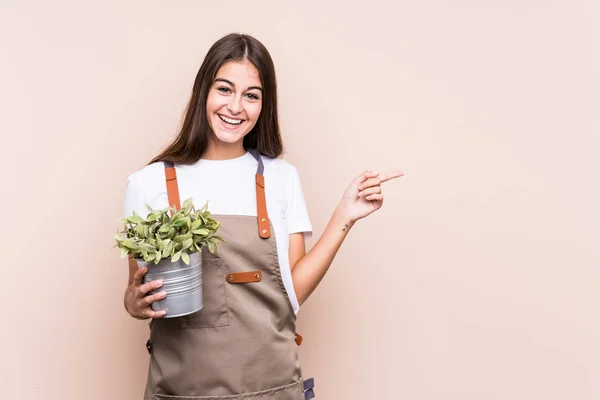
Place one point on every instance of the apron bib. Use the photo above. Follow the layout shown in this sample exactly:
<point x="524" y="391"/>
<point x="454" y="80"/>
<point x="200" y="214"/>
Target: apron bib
<point x="242" y="344"/>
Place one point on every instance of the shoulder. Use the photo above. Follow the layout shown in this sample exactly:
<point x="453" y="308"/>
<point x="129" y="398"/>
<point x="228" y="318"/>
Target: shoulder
<point x="279" y="167"/>
<point x="148" y="176"/>
<point x="284" y="175"/>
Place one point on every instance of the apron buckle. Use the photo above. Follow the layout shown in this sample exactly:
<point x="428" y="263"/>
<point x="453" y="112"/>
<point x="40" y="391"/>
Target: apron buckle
<point x="309" y="392"/>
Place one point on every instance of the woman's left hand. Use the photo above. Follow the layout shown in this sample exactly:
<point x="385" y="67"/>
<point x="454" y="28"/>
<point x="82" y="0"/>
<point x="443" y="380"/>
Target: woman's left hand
<point x="364" y="195"/>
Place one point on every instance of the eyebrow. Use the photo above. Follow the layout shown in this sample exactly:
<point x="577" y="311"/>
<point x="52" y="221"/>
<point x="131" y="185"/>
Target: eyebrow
<point x="231" y="83"/>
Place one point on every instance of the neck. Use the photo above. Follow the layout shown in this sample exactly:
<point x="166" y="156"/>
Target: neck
<point x="224" y="151"/>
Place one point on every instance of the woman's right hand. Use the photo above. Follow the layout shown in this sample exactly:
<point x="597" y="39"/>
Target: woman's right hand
<point x="137" y="301"/>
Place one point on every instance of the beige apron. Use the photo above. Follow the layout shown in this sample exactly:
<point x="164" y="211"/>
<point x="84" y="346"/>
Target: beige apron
<point x="242" y="344"/>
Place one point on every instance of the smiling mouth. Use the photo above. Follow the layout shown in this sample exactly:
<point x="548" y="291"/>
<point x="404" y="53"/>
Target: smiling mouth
<point x="230" y="121"/>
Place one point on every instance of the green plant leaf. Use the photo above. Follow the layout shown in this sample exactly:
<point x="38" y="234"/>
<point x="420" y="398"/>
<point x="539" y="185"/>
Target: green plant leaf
<point x="164" y="217"/>
<point x="124" y="252"/>
<point x="168" y="250"/>
<point x="196" y="224"/>
<point x="211" y="248"/>
<point x="130" y="243"/>
<point x="204" y="208"/>
<point x="179" y="222"/>
<point x="201" y="232"/>
<point x="187" y="244"/>
<point x="218" y="238"/>
<point x="187" y="206"/>
<point x="176" y="256"/>
<point x="135" y="219"/>
<point x="121" y="236"/>
<point x="165" y="228"/>
<point x="139" y="231"/>
<point x="149" y="248"/>
<point x="186" y="258"/>
<point x="154" y="227"/>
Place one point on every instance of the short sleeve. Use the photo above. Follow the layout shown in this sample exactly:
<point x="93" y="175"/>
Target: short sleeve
<point x="134" y="197"/>
<point x="296" y="213"/>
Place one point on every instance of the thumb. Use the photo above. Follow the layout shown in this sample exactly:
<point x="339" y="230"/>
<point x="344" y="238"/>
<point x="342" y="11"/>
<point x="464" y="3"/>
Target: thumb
<point x="139" y="274"/>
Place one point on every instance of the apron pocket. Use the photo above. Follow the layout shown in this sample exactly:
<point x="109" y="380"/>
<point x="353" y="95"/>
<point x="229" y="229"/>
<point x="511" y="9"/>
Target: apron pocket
<point x="214" y="312"/>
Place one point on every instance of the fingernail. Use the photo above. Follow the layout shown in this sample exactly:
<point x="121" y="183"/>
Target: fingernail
<point x="360" y="187"/>
<point x="159" y="283"/>
<point x="162" y="295"/>
<point x="360" y="194"/>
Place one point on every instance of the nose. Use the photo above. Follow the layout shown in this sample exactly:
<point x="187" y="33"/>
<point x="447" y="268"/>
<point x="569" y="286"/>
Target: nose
<point x="235" y="105"/>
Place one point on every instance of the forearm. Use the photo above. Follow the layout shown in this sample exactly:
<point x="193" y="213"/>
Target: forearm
<point x="310" y="269"/>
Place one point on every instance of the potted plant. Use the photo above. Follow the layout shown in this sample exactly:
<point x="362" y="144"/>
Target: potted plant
<point x="171" y="248"/>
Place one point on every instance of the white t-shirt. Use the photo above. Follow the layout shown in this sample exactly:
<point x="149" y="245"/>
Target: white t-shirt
<point x="229" y="187"/>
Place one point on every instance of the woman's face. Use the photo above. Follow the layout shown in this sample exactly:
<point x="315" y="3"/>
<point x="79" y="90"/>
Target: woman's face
<point x="234" y="101"/>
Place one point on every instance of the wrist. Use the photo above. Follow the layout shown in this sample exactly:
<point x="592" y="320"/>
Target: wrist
<point x="342" y="218"/>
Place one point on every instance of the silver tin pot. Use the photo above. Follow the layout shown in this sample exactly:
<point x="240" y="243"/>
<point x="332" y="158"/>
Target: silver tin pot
<point x="181" y="282"/>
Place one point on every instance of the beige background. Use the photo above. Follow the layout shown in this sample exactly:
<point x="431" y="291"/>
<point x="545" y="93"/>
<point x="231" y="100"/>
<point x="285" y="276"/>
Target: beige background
<point x="477" y="280"/>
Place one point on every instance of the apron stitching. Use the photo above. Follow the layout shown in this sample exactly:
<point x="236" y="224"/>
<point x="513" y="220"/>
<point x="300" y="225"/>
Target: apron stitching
<point x="279" y="279"/>
<point x="298" y="383"/>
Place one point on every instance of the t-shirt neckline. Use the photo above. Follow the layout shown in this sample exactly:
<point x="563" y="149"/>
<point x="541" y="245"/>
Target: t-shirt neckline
<point x="240" y="159"/>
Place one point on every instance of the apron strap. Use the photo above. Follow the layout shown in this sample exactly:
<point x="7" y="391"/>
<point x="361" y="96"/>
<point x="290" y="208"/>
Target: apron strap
<point x="172" y="187"/>
<point x="264" y="229"/>
<point x="309" y="392"/>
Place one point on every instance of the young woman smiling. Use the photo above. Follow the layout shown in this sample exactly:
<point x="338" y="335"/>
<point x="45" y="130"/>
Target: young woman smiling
<point x="243" y="343"/>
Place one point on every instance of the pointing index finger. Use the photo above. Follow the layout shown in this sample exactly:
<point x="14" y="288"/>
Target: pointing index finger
<point x="386" y="176"/>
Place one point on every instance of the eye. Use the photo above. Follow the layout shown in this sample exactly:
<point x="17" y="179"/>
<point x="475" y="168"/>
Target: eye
<point x="224" y="89"/>
<point x="252" y="96"/>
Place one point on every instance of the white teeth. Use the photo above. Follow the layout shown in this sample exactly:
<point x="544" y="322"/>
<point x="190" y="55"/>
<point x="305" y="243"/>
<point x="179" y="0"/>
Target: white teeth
<point x="231" y="121"/>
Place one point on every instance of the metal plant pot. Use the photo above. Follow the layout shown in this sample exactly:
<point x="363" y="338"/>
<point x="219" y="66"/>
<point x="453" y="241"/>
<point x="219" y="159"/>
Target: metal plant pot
<point x="182" y="282"/>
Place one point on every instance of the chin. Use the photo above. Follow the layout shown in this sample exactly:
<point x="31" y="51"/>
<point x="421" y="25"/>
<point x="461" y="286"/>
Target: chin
<point x="229" y="139"/>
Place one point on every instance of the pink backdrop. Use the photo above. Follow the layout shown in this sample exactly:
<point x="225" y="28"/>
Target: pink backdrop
<point x="477" y="280"/>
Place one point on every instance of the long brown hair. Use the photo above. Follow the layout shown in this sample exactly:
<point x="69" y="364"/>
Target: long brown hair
<point x="192" y="140"/>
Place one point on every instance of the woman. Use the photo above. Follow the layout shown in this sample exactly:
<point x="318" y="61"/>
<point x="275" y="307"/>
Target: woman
<point x="243" y="343"/>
